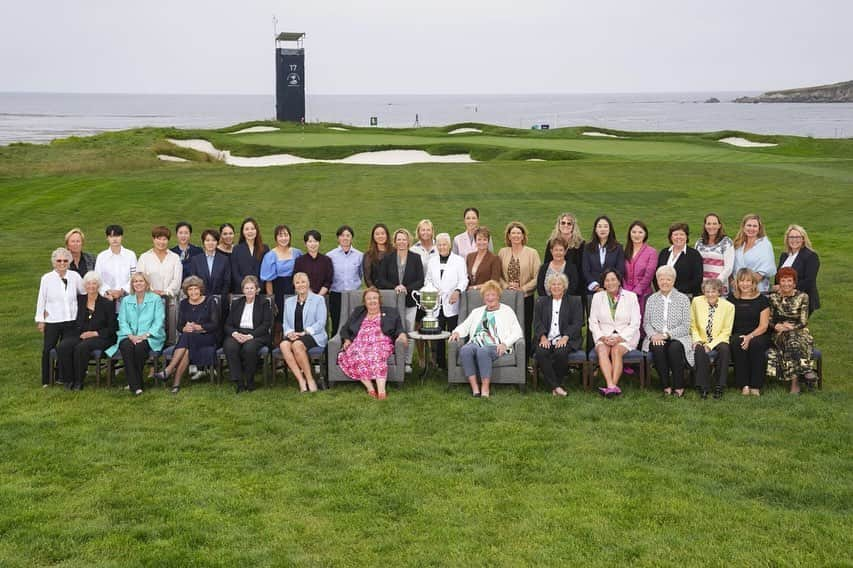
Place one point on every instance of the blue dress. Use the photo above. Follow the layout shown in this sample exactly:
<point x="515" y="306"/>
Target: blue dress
<point x="201" y="346"/>
<point x="280" y="273"/>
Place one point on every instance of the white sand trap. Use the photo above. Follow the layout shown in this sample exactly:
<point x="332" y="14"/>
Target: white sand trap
<point x="534" y="160"/>
<point x="601" y="135"/>
<point x="381" y="158"/>
<point x="254" y="129"/>
<point x="744" y="143"/>
<point x="168" y="158"/>
<point x="339" y="129"/>
<point x="466" y="131"/>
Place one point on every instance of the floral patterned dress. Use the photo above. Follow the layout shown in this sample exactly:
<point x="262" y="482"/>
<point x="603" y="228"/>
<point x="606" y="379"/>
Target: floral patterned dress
<point x="367" y="356"/>
<point x="790" y="353"/>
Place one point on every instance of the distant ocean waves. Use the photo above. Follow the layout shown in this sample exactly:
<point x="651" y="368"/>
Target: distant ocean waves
<point x="41" y="117"/>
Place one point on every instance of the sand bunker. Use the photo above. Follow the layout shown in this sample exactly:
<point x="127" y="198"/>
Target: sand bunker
<point x="381" y="158"/>
<point x="534" y="160"/>
<point x="601" y="135"/>
<point x="744" y="143"/>
<point x="167" y="158"/>
<point x="339" y="129"/>
<point x="466" y="131"/>
<point x="253" y="129"/>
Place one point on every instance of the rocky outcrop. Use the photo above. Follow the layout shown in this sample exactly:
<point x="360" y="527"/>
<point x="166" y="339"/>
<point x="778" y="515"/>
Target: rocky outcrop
<point x="835" y="93"/>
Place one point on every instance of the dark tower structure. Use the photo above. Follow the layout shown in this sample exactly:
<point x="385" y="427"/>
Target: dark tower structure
<point x="290" y="77"/>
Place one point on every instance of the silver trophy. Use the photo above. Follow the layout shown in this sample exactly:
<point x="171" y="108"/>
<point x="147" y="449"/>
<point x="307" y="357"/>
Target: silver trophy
<point x="427" y="299"/>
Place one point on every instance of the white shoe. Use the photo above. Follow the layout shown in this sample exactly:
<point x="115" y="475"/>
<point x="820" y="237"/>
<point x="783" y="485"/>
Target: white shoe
<point x="408" y="369"/>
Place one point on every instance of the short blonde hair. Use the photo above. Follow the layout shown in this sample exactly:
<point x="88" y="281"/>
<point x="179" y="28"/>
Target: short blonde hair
<point x="302" y="275"/>
<point x="421" y="224"/>
<point x="490" y="286"/>
<point x="72" y="232"/>
<point x="746" y="274"/>
<point x="404" y="232"/>
<point x="806" y="241"/>
<point x="144" y="279"/>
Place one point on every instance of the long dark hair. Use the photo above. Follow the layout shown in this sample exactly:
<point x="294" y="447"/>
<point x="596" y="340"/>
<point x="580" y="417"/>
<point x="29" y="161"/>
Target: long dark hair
<point x="611" y="244"/>
<point x="721" y="234"/>
<point x="258" y="253"/>
<point x="372" y="253"/>
<point x="629" y="243"/>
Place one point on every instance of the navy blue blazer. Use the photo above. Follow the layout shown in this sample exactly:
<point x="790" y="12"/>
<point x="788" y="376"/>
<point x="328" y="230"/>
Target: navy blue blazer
<point x="592" y="267"/>
<point x="217" y="281"/>
<point x="243" y="264"/>
<point x="806" y="264"/>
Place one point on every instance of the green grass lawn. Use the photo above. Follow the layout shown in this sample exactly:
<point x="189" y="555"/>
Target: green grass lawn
<point x="429" y="477"/>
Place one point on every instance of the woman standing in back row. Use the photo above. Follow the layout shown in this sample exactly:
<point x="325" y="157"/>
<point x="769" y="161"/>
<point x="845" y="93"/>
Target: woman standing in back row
<point x="520" y="267"/>
<point x="567" y="229"/>
<point x="717" y="251"/>
<point x="753" y="250"/>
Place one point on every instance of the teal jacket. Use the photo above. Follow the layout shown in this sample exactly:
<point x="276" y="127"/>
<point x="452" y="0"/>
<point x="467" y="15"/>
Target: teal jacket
<point x="135" y="319"/>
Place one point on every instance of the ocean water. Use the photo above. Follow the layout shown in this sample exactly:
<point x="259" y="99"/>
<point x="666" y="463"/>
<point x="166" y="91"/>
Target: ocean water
<point x="41" y="117"/>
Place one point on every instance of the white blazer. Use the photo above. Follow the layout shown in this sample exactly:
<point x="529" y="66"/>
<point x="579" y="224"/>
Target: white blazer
<point x="455" y="277"/>
<point x="57" y="302"/>
<point x="627" y="320"/>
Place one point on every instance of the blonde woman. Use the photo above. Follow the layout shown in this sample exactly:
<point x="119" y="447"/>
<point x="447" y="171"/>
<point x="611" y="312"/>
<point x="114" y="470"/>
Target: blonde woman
<point x="754" y="250"/>
<point x="800" y="255"/>
<point x="749" y="340"/>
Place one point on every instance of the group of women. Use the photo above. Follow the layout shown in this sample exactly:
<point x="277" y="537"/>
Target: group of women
<point x="691" y="306"/>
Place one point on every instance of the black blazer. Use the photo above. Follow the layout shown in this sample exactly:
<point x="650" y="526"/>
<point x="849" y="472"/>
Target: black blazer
<point x="571" y="272"/>
<point x="103" y="321"/>
<point x="806" y="264"/>
<point x="392" y="325"/>
<point x="592" y="267"/>
<point x="243" y="264"/>
<point x="217" y="281"/>
<point x="571" y="320"/>
<point x="261" y="319"/>
<point x="573" y="255"/>
<point x="192" y="251"/>
<point x="386" y="276"/>
<point x="688" y="270"/>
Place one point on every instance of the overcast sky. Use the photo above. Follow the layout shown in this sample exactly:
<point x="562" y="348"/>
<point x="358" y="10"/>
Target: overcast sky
<point x="436" y="46"/>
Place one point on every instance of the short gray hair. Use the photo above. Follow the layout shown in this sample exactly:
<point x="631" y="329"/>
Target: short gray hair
<point x="60" y="252"/>
<point x="665" y="270"/>
<point x="559" y="277"/>
<point x="191" y="281"/>
<point x="92" y="276"/>
<point x="443" y="236"/>
<point x="712" y="284"/>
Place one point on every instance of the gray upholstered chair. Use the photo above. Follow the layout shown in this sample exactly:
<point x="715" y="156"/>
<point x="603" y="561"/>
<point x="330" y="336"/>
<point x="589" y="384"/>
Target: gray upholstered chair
<point x="396" y="361"/>
<point x="507" y="370"/>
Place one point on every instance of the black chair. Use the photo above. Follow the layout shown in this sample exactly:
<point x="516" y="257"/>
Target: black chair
<point x="170" y="306"/>
<point x="168" y="352"/>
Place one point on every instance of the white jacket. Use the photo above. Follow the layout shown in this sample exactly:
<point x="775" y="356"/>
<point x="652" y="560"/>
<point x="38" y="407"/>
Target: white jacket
<point x="455" y="277"/>
<point x="626" y="323"/>
<point x="509" y="331"/>
<point x="57" y="302"/>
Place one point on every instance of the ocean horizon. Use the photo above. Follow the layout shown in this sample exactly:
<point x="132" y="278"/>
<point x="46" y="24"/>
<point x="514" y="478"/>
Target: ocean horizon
<point x="39" y="117"/>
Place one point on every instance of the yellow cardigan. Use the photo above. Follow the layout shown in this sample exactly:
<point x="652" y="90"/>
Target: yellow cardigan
<point x="724" y="318"/>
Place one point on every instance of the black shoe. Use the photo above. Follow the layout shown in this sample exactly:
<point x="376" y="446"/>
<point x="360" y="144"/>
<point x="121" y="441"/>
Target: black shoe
<point x="77" y="387"/>
<point x="249" y="388"/>
<point x="718" y="393"/>
<point x="68" y="386"/>
<point x="240" y="388"/>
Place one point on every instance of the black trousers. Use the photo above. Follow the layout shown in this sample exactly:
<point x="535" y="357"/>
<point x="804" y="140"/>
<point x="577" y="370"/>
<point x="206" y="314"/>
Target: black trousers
<point x="242" y="360"/>
<point x="134" y="357"/>
<point x="335" y="311"/>
<point x="440" y="347"/>
<point x="750" y="365"/>
<point x="554" y="363"/>
<point x="74" y="354"/>
<point x="528" y="327"/>
<point x="53" y="334"/>
<point x="703" y="365"/>
<point x="669" y="361"/>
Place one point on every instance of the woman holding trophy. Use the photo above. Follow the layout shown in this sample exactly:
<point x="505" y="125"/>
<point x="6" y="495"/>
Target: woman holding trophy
<point x="448" y="274"/>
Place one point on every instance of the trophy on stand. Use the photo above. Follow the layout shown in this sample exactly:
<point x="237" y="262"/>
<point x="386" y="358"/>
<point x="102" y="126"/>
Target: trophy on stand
<point x="427" y="299"/>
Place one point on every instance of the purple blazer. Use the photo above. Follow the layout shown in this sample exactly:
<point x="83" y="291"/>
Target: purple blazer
<point x="640" y="272"/>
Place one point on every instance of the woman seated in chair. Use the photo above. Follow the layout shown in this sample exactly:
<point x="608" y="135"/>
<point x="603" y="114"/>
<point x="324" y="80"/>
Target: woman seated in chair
<point x="790" y="355"/>
<point x="96" y="330"/>
<point x="141" y="329"/>
<point x="198" y="323"/>
<point x="667" y="326"/>
<point x="557" y="322"/>
<point x="492" y="331"/>
<point x="614" y="321"/>
<point x="369" y="336"/>
<point x="304" y="328"/>
<point x="247" y="330"/>
<point x="711" y="320"/>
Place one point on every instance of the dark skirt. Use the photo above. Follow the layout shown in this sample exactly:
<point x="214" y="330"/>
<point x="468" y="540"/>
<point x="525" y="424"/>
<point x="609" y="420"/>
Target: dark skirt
<point x="282" y="286"/>
<point x="306" y="339"/>
<point x="201" y="346"/>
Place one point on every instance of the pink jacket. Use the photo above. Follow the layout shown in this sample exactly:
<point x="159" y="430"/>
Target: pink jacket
<point x="640" y="272"/>
<point x="626" y="323"/>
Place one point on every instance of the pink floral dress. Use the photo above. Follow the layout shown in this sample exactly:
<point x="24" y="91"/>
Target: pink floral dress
<point x="367" y="356"/>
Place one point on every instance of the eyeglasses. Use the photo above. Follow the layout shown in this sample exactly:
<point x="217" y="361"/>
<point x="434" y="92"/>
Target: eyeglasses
<point x="566" y="223"/>
<point x="794" y="238"/>
<point x="61" y="260"/>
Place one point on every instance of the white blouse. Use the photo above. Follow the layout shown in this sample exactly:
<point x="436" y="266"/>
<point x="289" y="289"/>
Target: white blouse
<point x="57" y="302"/>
